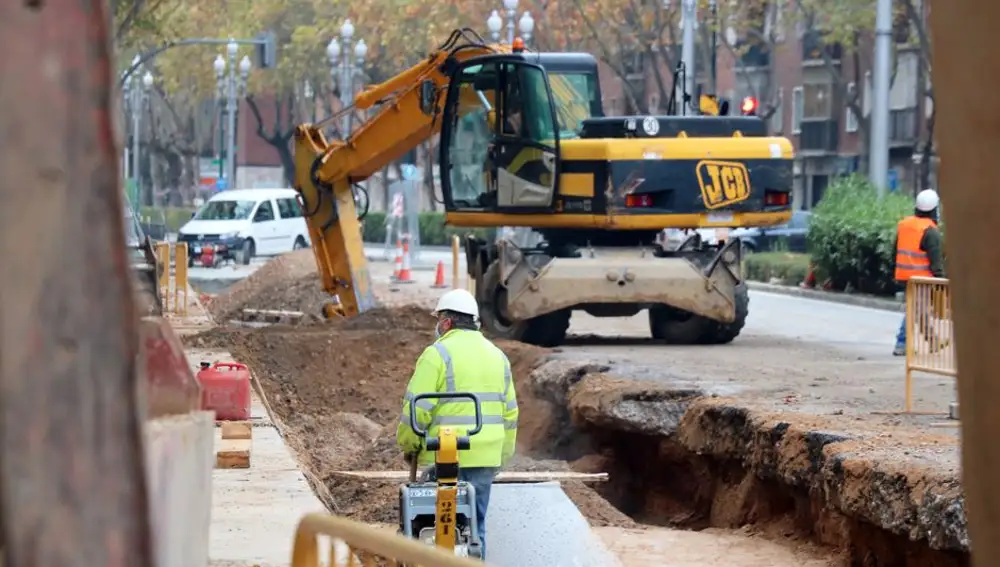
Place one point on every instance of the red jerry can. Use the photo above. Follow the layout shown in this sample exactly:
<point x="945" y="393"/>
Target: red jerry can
<point x="225" y="389"/>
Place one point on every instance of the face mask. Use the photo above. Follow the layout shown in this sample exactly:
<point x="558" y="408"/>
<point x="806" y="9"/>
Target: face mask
<point x="437" y="330"/>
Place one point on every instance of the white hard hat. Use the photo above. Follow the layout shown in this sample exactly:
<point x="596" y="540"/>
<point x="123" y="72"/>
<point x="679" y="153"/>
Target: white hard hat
<point x="458" y="301"/>
<point x="927" y="200"/>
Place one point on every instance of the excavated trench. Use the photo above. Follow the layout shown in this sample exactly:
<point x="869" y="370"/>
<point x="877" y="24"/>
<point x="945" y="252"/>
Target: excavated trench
<point x="681" y="459"/>
<point x="676" y="457"/>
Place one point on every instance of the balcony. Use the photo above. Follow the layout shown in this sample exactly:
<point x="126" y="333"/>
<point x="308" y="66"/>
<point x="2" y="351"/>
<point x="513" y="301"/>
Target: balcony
<point x="813" y="48"/>
<point x="819" y="135"/>
<point x="903" y="126"/>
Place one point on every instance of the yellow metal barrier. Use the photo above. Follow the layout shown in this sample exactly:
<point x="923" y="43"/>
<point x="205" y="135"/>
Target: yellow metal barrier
<point x="175" y="296"/>
<point x="929" y="333"/>
<point x="181" y="278"/>
<point x="163" y="256"/>
<point x="354" y="544"/>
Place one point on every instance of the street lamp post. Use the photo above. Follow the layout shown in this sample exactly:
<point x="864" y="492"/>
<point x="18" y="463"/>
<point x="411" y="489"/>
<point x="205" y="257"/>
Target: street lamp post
<point x="344" y="71"/>
<point x="526" y="24"/>
<point x="231" y="87"/>
<point x="136" y="95"/>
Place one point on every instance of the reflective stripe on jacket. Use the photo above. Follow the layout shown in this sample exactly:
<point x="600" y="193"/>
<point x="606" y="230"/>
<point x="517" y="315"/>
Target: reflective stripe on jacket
<point x="910" y="259"/>
<point x="463" y="361"/>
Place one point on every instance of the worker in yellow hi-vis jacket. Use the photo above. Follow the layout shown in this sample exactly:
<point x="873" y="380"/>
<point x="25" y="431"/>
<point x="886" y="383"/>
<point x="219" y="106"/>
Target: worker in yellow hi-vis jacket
<point x="463" y="360"/>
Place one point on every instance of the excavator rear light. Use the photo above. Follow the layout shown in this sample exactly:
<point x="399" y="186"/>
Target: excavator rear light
<point x="637" y="201"/>
<point x="776" y="199"/>
<point x="749" y="106"/>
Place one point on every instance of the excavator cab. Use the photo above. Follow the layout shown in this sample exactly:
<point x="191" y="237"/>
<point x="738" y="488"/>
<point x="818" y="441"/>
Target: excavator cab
<point x="500" y="138"/>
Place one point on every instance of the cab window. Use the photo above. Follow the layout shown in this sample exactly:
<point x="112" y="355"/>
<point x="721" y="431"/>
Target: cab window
<point x="472" y="133"/>
<point x="527" y="95"/>
<point x="575" y="95"/>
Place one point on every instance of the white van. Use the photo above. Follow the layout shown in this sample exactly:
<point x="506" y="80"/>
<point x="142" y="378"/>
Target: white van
<point x="244" y="223"/>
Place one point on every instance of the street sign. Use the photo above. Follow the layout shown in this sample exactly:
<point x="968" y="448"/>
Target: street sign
<point x="409" y="171"/>
<point x="221" y="184"/>
<point x="893" y="180"/>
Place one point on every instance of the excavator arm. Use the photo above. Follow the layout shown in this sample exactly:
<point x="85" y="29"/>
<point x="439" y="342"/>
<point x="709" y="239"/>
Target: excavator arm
<point x="327" y="170"/>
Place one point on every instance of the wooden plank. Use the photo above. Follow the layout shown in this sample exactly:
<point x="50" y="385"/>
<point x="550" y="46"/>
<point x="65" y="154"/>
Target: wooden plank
<point x="233" y="454"/>
<point x="503" y="477"/>
<point x="255" y="421"/>
<point x="237" y="430"/>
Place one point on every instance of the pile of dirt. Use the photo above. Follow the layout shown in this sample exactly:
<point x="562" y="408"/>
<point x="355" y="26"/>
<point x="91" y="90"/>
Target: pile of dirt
<point x="335" y="390"/>
<point x="288" y="282"/>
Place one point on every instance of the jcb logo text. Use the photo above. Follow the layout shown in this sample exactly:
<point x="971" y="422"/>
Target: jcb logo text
<point x="723" y="182"/>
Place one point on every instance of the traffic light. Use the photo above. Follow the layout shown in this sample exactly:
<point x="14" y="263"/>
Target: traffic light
<point x="266" y="50"/>
<point x="749" y="106"/>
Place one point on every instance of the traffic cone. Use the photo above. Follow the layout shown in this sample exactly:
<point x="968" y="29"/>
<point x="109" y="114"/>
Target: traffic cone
<point x="439" y="277"/>
<point x="397" y="261"/>
<point x="405" y="274"/>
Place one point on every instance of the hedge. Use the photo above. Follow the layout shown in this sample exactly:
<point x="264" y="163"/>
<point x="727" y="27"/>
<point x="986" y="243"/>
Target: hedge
<point x="433" y="231"/>
<point x="173" y="217"/>
<point x="852" y="236"/>
<point x="788" y="268"/>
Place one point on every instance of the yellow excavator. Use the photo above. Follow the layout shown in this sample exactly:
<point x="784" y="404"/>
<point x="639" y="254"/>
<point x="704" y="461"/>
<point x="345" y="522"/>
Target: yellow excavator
<point x="524" y="143"/>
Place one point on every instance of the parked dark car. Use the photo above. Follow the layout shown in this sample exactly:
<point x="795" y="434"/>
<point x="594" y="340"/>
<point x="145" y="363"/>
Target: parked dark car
<point x="789" y="237"/>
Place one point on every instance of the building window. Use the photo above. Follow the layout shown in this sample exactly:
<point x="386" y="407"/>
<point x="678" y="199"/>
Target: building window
<point x="797" y="104"/>
<point x="778" y="116"/>
<point x="850" y="118"/>
<point x="817" y="102"/>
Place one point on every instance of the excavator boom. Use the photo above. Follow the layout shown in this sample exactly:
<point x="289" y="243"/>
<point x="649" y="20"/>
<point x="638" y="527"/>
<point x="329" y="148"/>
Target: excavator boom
<point x="326" y="171"/>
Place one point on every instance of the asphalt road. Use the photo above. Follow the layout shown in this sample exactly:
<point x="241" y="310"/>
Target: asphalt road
<point x="860" y="331"/>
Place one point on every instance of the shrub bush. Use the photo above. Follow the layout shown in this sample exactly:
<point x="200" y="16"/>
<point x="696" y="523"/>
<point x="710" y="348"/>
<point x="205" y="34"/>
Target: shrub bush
<point x="852" y="235"/>
<point x="787" y="267"/>
<point x="172" y="217"/>
<point x="433" y="231"/>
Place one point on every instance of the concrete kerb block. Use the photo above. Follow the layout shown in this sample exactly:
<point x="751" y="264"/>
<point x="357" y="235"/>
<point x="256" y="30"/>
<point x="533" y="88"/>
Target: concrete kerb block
<point x="831" y="296"/>
<point x="180" y="458"/>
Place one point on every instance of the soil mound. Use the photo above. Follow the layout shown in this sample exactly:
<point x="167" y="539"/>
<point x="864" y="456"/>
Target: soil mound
<point x="288" y="282"/>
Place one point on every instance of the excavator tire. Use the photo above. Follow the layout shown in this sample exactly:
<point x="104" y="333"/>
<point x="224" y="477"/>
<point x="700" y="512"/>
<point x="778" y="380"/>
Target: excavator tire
<point x="677" y="327"/>
<point x="547" y="330"/>
<point x="725" y="333"/>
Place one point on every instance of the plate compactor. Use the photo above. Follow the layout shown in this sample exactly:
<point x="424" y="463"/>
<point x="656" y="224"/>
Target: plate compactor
<point x="442" y="512"/>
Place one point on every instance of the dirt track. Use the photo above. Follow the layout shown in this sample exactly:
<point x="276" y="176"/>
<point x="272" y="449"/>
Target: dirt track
<point x="336" y="388"/>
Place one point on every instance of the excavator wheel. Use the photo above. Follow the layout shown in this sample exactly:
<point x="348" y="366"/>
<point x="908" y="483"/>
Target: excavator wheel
<point x="677" y="327"/>
<point x="724" y="333"/>
<point x="546" y="330"/>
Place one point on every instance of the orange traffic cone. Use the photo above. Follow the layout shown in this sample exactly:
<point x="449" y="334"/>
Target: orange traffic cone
<point x="398" y="260"/>
<point x="439" y="277"/>
<point x="405" y="272"/>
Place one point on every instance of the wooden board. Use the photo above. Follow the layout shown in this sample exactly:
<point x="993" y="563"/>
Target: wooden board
<point x="237" y="430"/>
<point x="233" y="454"/>
<point x="504" y="477"/>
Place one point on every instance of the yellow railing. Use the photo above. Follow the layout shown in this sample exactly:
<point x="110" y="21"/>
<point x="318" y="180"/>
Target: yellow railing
<point x="930" y="343"/>
<point x="173" y="290"/>
<point x="354" y="544"/>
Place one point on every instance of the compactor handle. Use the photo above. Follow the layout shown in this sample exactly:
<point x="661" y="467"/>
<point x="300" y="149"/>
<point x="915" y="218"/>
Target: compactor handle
<point x="421" y="432"/>
<point x="230" y="365"/>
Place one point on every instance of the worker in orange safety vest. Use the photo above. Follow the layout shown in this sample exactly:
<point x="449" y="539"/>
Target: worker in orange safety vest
<point x="918" y="251"/>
